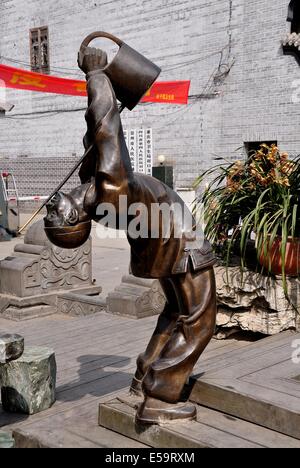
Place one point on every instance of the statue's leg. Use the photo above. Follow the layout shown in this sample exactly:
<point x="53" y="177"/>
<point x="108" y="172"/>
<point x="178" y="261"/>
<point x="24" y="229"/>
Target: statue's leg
<point x="164" y="329"/>
<point x="166" y="377"/>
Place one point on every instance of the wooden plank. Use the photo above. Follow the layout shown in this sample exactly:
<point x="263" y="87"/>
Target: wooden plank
<point x="76" y="436"/>
<point x="279" y="377"/>
<point x="96" y="357"/>
<point x="237" y="399"/>
<point x="239" y="358"/>
<point x="45" y="328"/>
<point x="249" y="431"/>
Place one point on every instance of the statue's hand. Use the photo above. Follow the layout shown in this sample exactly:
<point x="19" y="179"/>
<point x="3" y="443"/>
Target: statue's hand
<point x="93" y="59"/>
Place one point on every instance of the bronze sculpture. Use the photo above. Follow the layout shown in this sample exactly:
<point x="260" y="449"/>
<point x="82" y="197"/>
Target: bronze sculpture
<point x="184" y="268"/>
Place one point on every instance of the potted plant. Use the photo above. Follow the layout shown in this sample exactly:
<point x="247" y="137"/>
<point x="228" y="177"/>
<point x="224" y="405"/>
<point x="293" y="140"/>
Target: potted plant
<point x="258" y="198"/>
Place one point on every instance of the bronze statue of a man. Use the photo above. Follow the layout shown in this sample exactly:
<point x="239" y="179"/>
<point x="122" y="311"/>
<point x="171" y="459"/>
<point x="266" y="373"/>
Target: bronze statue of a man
<point x="183" y="267"/>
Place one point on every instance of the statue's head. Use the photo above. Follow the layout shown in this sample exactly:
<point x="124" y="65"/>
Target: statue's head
<point x="67" y="225"/>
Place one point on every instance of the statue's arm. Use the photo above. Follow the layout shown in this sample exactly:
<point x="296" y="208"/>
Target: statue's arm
<point x="97" y="110"/>
<point x="108" y="166"/>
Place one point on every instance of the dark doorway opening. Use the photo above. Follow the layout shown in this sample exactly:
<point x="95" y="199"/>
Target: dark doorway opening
<point x="294" y="16"/>
<point x="252" y="146"/>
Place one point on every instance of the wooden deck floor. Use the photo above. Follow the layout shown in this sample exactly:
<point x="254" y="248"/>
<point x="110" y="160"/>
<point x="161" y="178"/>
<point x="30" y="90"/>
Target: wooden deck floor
<point x="96" y="359"/>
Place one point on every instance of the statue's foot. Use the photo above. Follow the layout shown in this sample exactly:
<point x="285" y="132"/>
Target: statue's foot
<point x="153" y="411"/>
<point x="136" y="387"/>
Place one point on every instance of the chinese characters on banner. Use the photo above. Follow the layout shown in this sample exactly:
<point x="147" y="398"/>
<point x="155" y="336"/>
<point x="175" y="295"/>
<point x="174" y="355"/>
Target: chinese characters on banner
<point x="140" y="147"/>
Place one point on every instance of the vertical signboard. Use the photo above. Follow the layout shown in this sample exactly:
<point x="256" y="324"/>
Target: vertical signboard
<point x="149" y="152"/>
<point x="141" y="151"/>
<point x="140" y="147"/>
<point x="132" y="149"/>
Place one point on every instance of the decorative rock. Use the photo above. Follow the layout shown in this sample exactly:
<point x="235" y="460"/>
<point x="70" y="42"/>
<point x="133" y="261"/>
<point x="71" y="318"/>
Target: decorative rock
<point x="11" y="347"/>
<point x="255" y="302"/>
<point x="6" y="440"/>
<point x="28" y="384"/>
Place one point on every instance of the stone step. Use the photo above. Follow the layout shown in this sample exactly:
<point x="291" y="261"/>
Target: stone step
<point x="212" y="429"/>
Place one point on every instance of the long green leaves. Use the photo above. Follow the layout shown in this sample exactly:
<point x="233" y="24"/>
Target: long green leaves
<point x="257" y="198"/>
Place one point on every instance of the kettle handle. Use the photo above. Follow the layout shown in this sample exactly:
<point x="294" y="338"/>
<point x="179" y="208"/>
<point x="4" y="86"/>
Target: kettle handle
<point x="93" y="36"/>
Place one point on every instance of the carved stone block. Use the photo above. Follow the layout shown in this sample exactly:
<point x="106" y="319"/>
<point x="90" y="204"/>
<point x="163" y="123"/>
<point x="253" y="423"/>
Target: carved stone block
<point x="136" y="298"/>
<point x="35" y="276"/>
<point x="80" y="305"/>
<point x="28" y="384"/>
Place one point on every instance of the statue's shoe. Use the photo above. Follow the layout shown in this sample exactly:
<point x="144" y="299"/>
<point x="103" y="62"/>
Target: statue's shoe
<point x="136" y="387"/>
<point x="153" y="411"/>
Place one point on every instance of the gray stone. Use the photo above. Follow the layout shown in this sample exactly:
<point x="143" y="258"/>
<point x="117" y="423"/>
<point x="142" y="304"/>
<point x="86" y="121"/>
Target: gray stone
<point x="11" y="347"/>
<point x="38" y="273"/>
<point x="28" y="384"/>
<point x="136" y="298"/>
<point x="6" y="440"/>
<point x="255" y="302"/>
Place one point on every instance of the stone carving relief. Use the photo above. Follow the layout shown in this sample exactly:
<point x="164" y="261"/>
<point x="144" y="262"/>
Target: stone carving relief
<point x="65" y="268"/>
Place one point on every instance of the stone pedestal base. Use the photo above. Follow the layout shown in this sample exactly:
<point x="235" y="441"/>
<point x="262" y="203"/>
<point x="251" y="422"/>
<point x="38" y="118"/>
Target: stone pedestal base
<point x="6" y="440"/>
<point x="38" y="277"/>
<point x="27" y="308"/>
<point x="136" y="298"/>
<point x="28" y="384"/>
<point x="255" y="302"/>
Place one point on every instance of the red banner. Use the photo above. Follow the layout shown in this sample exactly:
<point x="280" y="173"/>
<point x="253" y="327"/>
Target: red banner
<point x="171" y="92"/>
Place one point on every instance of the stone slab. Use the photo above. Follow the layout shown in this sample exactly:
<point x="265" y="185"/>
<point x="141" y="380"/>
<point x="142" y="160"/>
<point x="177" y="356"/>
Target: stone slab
<point x="11" y="347"/>
<point x="212" y="429"/>
<point x="28" y="384"/>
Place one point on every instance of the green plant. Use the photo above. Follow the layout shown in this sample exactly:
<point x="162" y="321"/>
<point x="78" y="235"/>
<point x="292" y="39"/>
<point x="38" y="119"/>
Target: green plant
<point x="260" y="196"/>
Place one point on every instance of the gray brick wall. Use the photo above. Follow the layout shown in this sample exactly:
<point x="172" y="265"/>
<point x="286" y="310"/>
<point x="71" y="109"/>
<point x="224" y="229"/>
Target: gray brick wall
<point x="252" y="102"/>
